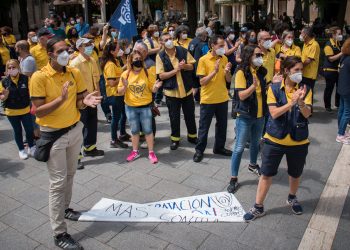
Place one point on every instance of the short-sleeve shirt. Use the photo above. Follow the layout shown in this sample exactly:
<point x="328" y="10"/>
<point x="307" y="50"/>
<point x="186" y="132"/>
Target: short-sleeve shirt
<point x="28" y="65"/>
<point x="47" y="84"/>
<point x="271" y="101"/>
<point x="269" y="64"/>
<point x="180" y="92"/>
<point x="215" y="91"/>
<point x="241" y="84"/>
<point x="10" y="39"/>
<point x="183" y="44"/>
<point x="294" y="50"/>
<point x="311" y="50"/>
<point x="328" y="51"/>
<point x="5" y="54"/>
<point x="155" y="43"/>
<point x="112" y="71"/>
<point x="40" y="55"/>
<point x="139" y="90"/>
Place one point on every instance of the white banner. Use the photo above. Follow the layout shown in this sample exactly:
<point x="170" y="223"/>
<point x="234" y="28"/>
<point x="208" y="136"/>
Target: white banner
<point x="215" y="207"/>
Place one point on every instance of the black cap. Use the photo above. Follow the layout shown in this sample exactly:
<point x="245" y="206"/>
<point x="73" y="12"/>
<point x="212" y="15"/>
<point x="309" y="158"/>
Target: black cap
<point x="44" y="32"/>
<point x="244" y="29"/>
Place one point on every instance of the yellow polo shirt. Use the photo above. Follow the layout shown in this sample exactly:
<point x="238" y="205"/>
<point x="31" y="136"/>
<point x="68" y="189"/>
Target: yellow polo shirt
<point x="183" y="44"/>
<point x="139" y="90"/>
<point x="215" y="91"/>
<point x="5" y="54"/>
<point x="89" y="71"/>
<point x="328" y="51"/>
<point x="14" y="112"/>
<point x="180" y="92"/>
<point x="97" y="41"/>
<point x="311" y="50"/>
<point x="155" y="43"/>
<point x="32" y="45"/>
<point x="241" y="84"/>
<point x="10" y="39"/>
<point x="271" y="101"/>
<point x="112" y="71"/>
<point x="40" y="55"/>
<point x="47" y="84"/>
<point x="292" y="51"/>
<point x="269" y="64"/>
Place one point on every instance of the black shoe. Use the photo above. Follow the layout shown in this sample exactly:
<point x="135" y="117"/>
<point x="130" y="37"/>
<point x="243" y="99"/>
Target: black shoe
<point x="80" y="165"/>
<point x="118" y="144"/>
<point x="70" y="214"/>
<point x="223" y="151"/>
<point x="254" y="169"/>
<point x="329" y="110"/>
<point x="234" y="115"/>
<point x="109" y="118"/>
<point x="233" y="186"/>
<point x="192" y="140"/>
<point x="174" y="145"/>
<point x="125" y="137"/>
<point x="94" y="152"/>
<point x="65" y="241"/>
<point x="198" y="156"/>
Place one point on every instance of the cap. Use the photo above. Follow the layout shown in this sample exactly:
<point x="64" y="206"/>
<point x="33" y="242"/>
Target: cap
<point x="244" y="29"/>
<point x="229" y="31"/>
<point x="82" y="41"/>
<point x="44" y="32"/>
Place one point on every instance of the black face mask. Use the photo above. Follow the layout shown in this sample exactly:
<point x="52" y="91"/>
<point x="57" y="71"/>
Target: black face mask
<point x="252" y="40"/>
<point x="137" y="64"/>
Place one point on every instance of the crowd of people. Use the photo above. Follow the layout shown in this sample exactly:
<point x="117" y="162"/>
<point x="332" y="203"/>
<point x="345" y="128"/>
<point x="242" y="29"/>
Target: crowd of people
<point x="53" y="82"/>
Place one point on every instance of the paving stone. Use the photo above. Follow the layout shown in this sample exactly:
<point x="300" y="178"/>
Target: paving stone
<point x="172" y="189"/>
<point x="169" y="173"/>
<point x="144" y="181"/>
<point x="84" y="176"/>
<point x="24" y="219"/>
<point x="110" y="170"/>
<point x="224" y="230"/>
<point x="11" y="239"/>
<point x="13" y="186"/>
<point x="173" y="247"/>
<point x="291" y="226"/>
<point x="137" y="195"/>
<point x="180" y="234"/>
<point x="217" y="242"/>
<point x="22" y="172"/>
<point x="80" y="192"/>
<point x="34" y="197"/>
<point x="7" y="204"/>
<point x="204" y="183"/>
<point x="106" y="185"/>
<point x="41" y="247"/>
<point x="135" y="240"/>
<point x="92" y="199"/>
<point x="143" y="227"/>
<point x="40" y="180"/>
<point x="202" y="168"/>
<point x="3" y="226"/>
<point x="342" y="240"/>
<point x="92" y="244"/>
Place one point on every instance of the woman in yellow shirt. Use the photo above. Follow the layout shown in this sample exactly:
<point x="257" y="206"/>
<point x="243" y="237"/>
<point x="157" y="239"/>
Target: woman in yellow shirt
<point x="286" y="134"/>
<point x="181" y="38"/>
<point x="72" y="37"/>
<point x="138" y="84"/>
<point x="14" y="94"/>
<point x="4" y="57"/>
<point x="251" y="108"/>
<point x="288" y="48"/>
<point x="112" y="72"/>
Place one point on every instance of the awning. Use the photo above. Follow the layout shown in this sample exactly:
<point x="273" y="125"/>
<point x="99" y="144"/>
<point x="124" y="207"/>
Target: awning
<point x="67" y="2"/>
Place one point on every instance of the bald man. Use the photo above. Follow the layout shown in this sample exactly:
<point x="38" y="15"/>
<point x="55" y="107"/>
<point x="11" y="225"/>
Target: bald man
<point x="27" y="62"/>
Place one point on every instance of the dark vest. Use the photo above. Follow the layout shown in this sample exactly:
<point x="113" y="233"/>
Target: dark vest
<point x="292" y="122"/>
<point x="171" y="83"/>
<point x="344" y="76"/>
<point x="153" y="57"/>
<point x="328" y="64"/>
<point x="231" y="58"/>
<point x="19" y="94"/>
<point x="249" y="107"/>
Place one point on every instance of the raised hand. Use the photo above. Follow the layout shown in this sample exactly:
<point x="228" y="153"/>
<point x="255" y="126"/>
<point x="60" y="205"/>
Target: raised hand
<point x="92" y="99"/>
<point x="255" y="82"/>
<point x="158" y="83"/>
<point x="5" y="93"/>
<point x="228" y="67"/>
<point x="277" y="78"/>
<point x="217" y="65"/>
<point x="64" y="94"/>
<point x="182" y="65"/>
<point x="125" y="82"/>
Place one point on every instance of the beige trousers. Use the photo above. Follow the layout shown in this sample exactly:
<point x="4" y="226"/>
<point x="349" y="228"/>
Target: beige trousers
<point x="62" y="166"/>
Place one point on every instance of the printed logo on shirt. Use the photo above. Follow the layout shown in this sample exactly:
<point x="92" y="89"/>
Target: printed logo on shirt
<point x="137" y="89"/>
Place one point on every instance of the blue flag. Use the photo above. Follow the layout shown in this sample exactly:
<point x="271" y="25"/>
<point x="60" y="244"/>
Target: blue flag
<point x="124" y="21"/>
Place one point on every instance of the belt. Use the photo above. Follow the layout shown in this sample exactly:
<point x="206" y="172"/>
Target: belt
<point x="330" y="70"/>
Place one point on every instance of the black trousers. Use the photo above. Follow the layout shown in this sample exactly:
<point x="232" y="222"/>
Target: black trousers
<point x="174" y="106"/>
<point x="89" y="119"/>
<point x="331" y="82"/>
<point x="207" y="111"/>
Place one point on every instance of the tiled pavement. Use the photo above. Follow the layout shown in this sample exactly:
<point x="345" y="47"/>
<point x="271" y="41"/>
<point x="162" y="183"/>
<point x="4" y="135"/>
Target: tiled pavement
<point x="24" y="222"/>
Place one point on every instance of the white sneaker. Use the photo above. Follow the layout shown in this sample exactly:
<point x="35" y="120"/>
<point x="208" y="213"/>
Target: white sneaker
<point x="31" y="151"/>
<point x="343" y="139"/>
<point x="23" y="155"/>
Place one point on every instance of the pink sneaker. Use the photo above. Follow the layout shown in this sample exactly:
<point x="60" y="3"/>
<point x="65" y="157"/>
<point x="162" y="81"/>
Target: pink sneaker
<point x="343" y="139"/>
<point x="152" y="157"/>
<point x="347" y="134"/>
<point x="133" y="156"/>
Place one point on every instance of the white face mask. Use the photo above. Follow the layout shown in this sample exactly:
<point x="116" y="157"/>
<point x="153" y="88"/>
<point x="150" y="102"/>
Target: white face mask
<point x="34" y="39"/>
<point x="63" y="58"/>
<point x="120" y="53"/>
<point x="184" y="36"/>
<point x="288" y="42"/>
<point x="169" y="44"/>
<point x="258" y="61"/>
<point x="72" y="22"/>
<point x="13" y="72"/>
<point x="220" y="51"/>
<point x="339" y="38"/>
<point x="231" y="37"/>
<point x="210" y="32"/>
<point x="267" y="44"/>
<point x="88" y="50"/>
<point x="127" y="51"/>
<point x="172" y="33"/>
<point x="296" y="77"/>
<point x="156" y="34"/>
<point x="301" y="38"/>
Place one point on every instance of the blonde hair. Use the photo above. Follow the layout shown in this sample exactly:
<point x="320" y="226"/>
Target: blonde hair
<point x="332" y="31"/>
<point x="13" y="61"/>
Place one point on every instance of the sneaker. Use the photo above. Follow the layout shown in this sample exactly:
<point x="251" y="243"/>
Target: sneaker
<point x="31" y="151"/>
<point x="233" y="186"/>
<point x="347" y="134"/>
<point x="329" y="110"/>
<point x="125" y="137"/>
<point x="343" y="139"/>
<point x="23" y="155"/>
<point x="152" y="157"/>
<point x="295" y="205"/>
<point x="118" y="144"/>
<point x="80" y="165"/>
<point x="93" y="153"/>
<point x="109" y="118"/>
<point x="254" y="169"/>
<point x="254" y="212"/>
<point x="70" y="214"/>
<point x="133" y="155"/>
<point x="65" y="241"/>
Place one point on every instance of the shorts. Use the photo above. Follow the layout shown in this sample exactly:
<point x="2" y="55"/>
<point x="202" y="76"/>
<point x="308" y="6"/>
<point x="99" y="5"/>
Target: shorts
<point x="273" y="153"/>
<point x="139" y="116"/>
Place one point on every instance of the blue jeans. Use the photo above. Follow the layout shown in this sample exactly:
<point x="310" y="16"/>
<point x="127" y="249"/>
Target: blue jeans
<point x="139" y="117"/>
<point x="246" y="128"/>
<point x="117" y="105"/>
<point x="343" y="114"/>
<point x="17" y="122"/>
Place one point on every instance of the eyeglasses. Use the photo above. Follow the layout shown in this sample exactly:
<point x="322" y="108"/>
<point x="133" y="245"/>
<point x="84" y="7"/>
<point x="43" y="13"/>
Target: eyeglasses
<point x="259" y="55"/>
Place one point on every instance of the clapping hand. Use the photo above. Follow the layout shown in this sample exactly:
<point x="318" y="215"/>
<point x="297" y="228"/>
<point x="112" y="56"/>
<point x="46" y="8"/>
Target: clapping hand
<point x="5" y="93"/>
<point x="125" y="82"/>
<point x="158" y="84"/>
<point x="181" y="65"/>
<point x="228" y="67"/>
<point x="92" y="99"/>
<point x="217" y="65"/>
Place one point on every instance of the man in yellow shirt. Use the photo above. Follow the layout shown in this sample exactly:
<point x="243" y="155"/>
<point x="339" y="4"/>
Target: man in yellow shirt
<point x="32" y="39"/>
<point x="91" y="76"/>
<point x="39" y="51"/>
<point x="310" y="57"/>
<point x="58" y="92"/>
<point x="214" y="71"/>
<point x="265" y="43"/>
<point x="174" y="66"/>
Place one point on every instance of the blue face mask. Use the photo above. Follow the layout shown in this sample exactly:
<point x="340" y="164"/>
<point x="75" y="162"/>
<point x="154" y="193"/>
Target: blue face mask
<point x="88" y="50"/>
<point x="114" y="34"/>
